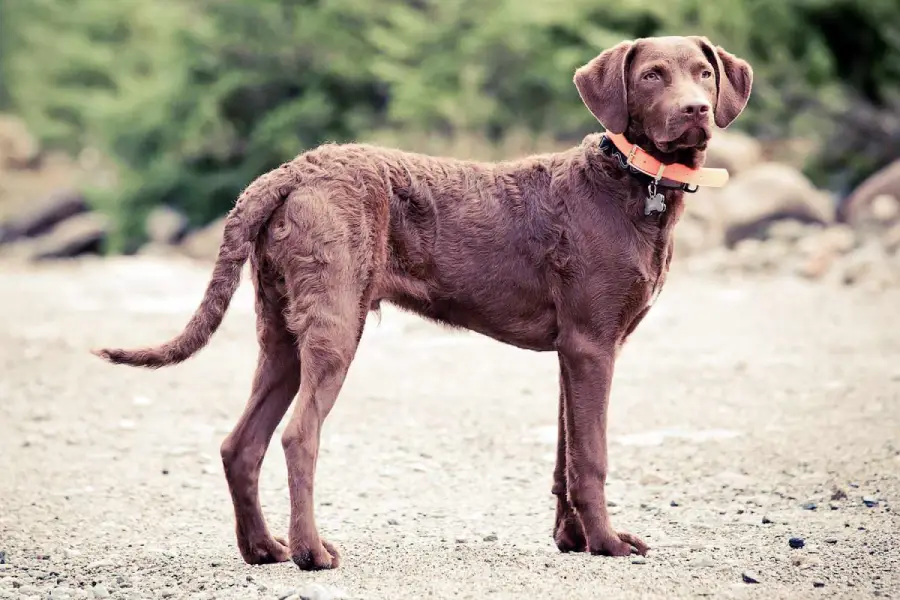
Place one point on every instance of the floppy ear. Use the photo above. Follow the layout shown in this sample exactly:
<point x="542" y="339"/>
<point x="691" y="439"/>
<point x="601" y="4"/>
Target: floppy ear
<point x="603" y="89"/>
<point x="734" y="78"/>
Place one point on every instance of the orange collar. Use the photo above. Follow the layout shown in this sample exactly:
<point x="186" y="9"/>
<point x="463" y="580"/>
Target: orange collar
<point x="643" y="162"/>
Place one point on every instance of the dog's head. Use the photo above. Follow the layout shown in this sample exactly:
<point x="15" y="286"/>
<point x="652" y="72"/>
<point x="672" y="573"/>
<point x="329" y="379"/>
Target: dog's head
<point x="668" y="91"/>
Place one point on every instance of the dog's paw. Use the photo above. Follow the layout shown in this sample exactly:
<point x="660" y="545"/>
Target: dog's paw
<point x="325" y="556"/>
<point x="620" y="544"/>
<point x="568" y="534"/>
<point x="272" y="550"/>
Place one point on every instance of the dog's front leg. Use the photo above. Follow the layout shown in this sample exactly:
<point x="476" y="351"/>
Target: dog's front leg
<point x="567" y="531"/>
<point x="587" y="373"/>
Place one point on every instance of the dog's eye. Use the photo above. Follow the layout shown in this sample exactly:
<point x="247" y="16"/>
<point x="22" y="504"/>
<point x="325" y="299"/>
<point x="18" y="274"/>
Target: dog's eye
<point x="651" y="76"/>
<point x="706" y="74"/>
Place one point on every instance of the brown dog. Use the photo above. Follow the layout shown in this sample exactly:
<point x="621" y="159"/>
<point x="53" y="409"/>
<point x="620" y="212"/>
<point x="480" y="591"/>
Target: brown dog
<point x="558" y="252"/>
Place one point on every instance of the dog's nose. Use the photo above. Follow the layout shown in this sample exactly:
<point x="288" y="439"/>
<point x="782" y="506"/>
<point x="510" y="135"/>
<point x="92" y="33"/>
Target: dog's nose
<point x="695" y="108"/>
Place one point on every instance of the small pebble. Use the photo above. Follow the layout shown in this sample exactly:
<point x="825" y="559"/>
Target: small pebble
<point x="796" y="543"/>
<point x="809" y="506"/>
<point x="639" y="561"/>
<point x="167" y="593"/>
<point x="97" y="564"/>
<point x="750" y="577"/>
<point x="703" y="563"/>
<point x="831" y="540"/>
<point x="393" y="522"/>
<point x="838" y="494"/>
<point x="100" y="592"/>
<point x="611" y="504"/>
<point x="870" y="501"/>
<point x="490" y="538"/>
<point x="2" y="557"/>
<point x="818" y="584"/>
<point x="673" y="503"/>
<point x="766" y="520"/>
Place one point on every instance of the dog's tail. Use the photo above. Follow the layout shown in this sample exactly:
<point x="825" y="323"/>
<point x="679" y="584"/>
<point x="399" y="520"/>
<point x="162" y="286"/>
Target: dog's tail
<point x="243" y="224"/>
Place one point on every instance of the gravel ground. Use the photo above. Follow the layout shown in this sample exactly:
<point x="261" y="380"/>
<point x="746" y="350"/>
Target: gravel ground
<point x="744" y="414"/>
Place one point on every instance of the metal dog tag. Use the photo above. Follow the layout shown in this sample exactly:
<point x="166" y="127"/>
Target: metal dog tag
<point x="655" y="202"/>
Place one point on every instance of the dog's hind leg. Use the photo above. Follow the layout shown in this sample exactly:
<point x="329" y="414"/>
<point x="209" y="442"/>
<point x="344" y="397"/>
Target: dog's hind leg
<point x="275" y="384"/>
<point x="328" y="281"/>
<point x="330" y="334"/>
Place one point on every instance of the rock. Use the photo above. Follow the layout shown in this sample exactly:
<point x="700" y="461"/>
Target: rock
<point x="19" y="149"/>
<point x="166" y="593"/>
<point x="393" y="522"/>
<point x="490" y="538"/>
<point x="857" y="209"/>
<point x="809" y="506"/>
<point x="814" y="267"/>
<point x="766" y="521"/>
<point x="692" y="236"/>
<point x="890" y="239"/>
<point x="734" y="151"/>
<point x="838" y="494"/>
<point x="870" y="501"/>
<point x="788" y="230"/>
<point x="639" y="561"/>
<point x="204" y="243"/>
<point x="796" y="543"/>
<point x="100" y="592"/>
<point x="317" y="591"/>
<point x="2" y="557"/>
<point x="750" y="577"/>
<point x="158" y="250"/>
<point x="818" y="584"/>
<point x="769" y="192"/>
<point x="703" y="563"/>
<point x="831" y="540"/>
<point x="42" y="216"/>
<point x="165" y="225"/>
<point x="885" y="209"/>
<point x="837" y="239"/>
<point x="867" y="264"/>
<point x="673" y="503"/>
<point x="81" y="234"/>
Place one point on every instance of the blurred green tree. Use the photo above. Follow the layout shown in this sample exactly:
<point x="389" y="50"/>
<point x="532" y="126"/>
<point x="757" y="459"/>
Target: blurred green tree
<point x="194" y="98"/>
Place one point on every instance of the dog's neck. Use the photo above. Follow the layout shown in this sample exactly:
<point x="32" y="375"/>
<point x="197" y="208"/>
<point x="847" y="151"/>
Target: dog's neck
<point x="689" y="157"/>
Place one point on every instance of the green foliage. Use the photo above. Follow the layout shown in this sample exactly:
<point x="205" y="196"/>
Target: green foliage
<point x="194" y="98"/>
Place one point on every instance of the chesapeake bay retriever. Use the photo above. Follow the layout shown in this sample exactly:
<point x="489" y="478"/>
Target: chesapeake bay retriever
<point x="557" y="252"/>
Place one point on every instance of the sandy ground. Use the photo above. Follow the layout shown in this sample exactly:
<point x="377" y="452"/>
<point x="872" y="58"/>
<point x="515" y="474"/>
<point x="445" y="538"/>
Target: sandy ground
<point x="735" y="405"/>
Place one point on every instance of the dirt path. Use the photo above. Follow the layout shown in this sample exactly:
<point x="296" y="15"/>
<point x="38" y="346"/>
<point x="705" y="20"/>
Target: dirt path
<point x="734" y="406"/>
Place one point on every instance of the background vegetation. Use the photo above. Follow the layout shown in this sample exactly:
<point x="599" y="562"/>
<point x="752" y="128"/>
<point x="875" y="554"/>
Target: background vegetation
<point x="193" y="98"/>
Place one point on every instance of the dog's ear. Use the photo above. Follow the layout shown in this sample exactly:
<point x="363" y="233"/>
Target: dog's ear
<point x="734" y="78"/>
<point x="603" y="87"/>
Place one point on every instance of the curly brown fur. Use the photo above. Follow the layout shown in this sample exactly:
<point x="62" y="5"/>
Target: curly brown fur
<point x="548" y="253"/>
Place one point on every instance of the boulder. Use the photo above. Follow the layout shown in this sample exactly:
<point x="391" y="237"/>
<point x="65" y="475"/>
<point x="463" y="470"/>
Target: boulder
<point x="19" y="149"/>
<point x="857" y="208"/>
<point x="82" y="234"/>
<point x="42" y="216"/>
<point x="691" y="236"/>
<point x="204" y="243"/>
<point x="891" y="240"/>
<point x="165" y="225"/>
<point x="733" y="150"/>
<point x="769" y="192"/>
